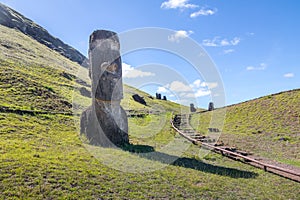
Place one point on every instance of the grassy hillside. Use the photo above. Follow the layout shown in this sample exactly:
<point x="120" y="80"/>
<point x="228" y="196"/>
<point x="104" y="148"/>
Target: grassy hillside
<point x="42" y="156"/>
<point x="268" y="126"/>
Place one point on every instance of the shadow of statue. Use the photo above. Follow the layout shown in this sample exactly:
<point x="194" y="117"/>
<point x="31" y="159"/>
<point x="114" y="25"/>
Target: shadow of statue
<point x="149" y="152"/>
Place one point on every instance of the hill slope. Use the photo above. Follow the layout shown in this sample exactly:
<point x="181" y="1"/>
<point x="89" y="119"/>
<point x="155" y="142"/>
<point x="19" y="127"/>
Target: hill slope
<point x="268" y="126"/>
<point x="12" y="19"/>
<point x="42" y="156"/>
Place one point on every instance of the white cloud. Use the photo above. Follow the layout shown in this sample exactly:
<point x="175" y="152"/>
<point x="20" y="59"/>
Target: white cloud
<point x="162" y="90"/>
<point x="209" y="43"/>
<point x="262" y="66"/>
<point x="129" y="72"/>
<point x="137" y="73"/>
<point x="228" y="51"/>
<point x="212" y="85"/>
<point x="249" y="68"/>
<point x="177" y="86"/>
<point x="289" y="75"/>
<point x="224" y="42"/>
<point x="126" y="68"/>
<point x="203" y="84"/>
<point x="250" y="34"/>
<point x="178" y="35"/>
<point x="201" y="93"/>
<point x="217" y="42"/>
<point x="196" y="89"/>
<point x="203" y="12"/>
<point x="235" y="41"/>
<point x="174" y="4"/>
<point x="196" y="83"/>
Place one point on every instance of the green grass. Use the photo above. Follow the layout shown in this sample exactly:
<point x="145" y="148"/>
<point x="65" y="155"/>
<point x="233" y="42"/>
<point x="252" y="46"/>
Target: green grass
<point x="268" y="126"/>
<point x="42" y="156"/>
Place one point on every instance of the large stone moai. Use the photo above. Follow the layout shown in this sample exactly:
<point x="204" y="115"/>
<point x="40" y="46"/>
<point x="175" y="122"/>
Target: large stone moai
<point x="105" y="122"/>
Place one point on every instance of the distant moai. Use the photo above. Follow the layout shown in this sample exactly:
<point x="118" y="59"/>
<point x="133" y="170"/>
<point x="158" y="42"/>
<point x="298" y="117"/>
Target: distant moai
<point x="158" y="96"/>
<point x="165" y="98"/>
<point x="211" y="106"/>
<point x="192" y="108"/>
<point x="105" y="122"/>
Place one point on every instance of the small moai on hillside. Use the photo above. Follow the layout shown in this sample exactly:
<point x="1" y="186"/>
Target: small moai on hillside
<point x="192" y="108"/>
<point x="158" y="96"/>
<point x="165" y="98"/>
<point x="105" y="121"/>
<point x="211" y="106"/>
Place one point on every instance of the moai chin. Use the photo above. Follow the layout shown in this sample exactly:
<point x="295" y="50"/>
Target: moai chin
<point x="105" y="122"/>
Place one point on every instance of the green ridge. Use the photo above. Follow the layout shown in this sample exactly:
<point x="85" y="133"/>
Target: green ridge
<point x="268" y="126"/>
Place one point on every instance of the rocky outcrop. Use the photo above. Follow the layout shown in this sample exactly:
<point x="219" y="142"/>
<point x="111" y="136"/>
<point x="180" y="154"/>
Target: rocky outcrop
<point x="139" y="99"/>
<point x="12" y="19"/>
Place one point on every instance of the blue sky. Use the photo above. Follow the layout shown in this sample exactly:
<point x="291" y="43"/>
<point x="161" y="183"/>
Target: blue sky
<point x="255" y="44"/>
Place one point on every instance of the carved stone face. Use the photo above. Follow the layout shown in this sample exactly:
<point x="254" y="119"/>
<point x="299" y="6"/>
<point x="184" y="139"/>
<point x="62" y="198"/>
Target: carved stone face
<point x="106" y="66"/>
<point x="108" y="80"/>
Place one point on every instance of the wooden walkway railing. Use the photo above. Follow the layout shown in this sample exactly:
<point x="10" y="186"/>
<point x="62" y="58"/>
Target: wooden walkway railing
<point x="287" y="173"/>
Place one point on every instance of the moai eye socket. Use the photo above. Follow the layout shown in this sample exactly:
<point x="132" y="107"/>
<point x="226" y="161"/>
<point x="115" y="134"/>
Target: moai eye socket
<point x="114" y="45"/>
<point x="111" y="68"/>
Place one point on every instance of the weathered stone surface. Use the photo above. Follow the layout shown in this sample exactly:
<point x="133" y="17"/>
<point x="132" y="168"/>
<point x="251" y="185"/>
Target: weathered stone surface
<point x="192" y="108"/>
<point x="211" y="106"/>
<point x="139" y="99"/>
<point x="105" y="122"/>
<point x="12" y="19"/>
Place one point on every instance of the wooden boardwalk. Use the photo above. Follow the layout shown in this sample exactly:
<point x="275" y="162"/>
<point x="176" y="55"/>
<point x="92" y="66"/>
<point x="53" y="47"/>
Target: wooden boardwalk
<point x="181" y="124"/>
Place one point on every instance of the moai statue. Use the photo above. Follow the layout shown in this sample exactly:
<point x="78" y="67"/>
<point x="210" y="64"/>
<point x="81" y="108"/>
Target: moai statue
<point x="165" y="98"/>
<point x="211" y="106"/>
<point x="159" y="96"/>
<point x="105" y="122"/>
<point x="192" y="108"/>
